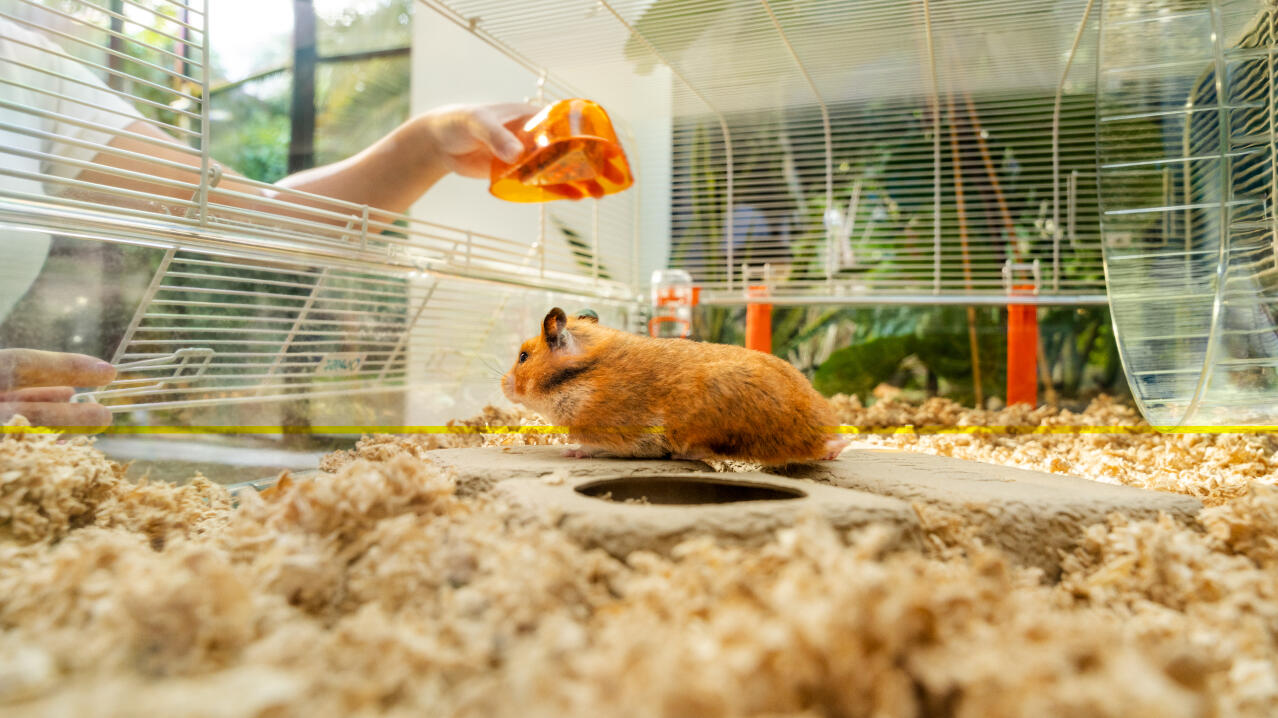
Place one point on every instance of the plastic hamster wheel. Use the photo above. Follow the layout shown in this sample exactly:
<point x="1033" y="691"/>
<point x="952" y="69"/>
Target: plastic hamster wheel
<point x="1187" y="174"/>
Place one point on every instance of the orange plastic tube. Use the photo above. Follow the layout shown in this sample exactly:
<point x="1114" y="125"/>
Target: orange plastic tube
<point x="1022" y="352"/>
<point x="759" y="322"/>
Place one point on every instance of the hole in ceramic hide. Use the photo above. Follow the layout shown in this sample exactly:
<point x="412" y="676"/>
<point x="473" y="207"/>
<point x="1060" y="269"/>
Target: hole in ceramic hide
<point x="684" y="490"/>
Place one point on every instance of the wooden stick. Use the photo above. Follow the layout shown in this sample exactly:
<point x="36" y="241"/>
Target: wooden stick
<point x="1008" y="224"/>
<point x="961" y="207"/>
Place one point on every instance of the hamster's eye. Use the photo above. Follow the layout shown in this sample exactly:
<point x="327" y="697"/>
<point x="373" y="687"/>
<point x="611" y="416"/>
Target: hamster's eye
<point x="522" y="357"/>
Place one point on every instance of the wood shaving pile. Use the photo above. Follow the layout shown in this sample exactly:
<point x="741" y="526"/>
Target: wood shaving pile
<point x="380" y="446"/>
<point x="1212" y="467"/>
<point x="49" y="488"/>
<point x="380" y="592"/>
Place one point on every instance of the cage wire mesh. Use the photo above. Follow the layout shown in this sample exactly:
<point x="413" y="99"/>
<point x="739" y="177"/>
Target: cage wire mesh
<point x="884" y="152"/>
<point x="1186" y="113"/>
<point x="255" y="293"/>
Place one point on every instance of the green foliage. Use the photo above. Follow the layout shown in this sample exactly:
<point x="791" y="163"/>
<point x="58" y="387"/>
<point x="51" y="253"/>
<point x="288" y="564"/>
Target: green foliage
<point x="583" y="252"/>
<point x="936" y="336"/>
<point x="364" y="26"/>
<point x="928" y="348"/>
<point x="357" y="101"/>
<point x="795" y="327"/>
<point x="858" y="369"/>
<point x="144" y="60"/>
<point x="942" y="343"/>
<point x="252" y="135"/>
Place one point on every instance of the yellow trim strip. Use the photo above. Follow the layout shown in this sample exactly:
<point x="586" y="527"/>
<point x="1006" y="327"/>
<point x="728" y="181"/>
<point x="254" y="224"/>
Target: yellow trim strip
<point x="922" y="430"/>
<point x="1054" y="429"/>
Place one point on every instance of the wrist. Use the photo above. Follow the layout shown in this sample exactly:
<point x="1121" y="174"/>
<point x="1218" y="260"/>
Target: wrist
<point x="415" y="140"/>
<point x="422" y="145"/>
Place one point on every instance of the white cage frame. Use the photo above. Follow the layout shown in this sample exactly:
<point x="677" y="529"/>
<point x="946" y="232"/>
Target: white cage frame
<point x="340" y="239"/>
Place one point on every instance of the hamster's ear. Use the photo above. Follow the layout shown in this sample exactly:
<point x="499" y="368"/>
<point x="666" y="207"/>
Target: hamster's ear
<point x="588" y="315"/>
<point x="553" y="328"/>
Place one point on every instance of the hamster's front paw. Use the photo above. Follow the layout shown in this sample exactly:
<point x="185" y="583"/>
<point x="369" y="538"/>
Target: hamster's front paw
<point x="833" y="448"/>
<point x="581" y="453"/>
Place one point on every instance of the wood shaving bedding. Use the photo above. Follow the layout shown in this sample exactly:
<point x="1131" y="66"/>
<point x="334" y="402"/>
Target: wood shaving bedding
<point x="381" y="446"/>
<point x="1212" y="467"/>
<point x="49" y="487"/>
<point x="380" y="592"/>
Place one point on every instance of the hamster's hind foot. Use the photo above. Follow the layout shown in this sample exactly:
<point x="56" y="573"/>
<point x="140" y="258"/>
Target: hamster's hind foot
<point x="833" y="448"/>
<point x="580" y="453"/>
<point x="692" y="455"/>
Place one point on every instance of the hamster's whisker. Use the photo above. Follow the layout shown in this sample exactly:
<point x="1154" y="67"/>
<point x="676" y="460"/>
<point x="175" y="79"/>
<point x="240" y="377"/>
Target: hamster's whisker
<point x="490" y="369"/>
<point x="492" y="366"/>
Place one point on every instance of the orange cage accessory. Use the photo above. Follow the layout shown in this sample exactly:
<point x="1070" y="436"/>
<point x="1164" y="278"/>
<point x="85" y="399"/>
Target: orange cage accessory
<point x="570" y="152"/>
<point x="673" y="300"/>
<point x="1022" y="340"/>
<point x="673" y="297"/>
<point x="758" y="321"/>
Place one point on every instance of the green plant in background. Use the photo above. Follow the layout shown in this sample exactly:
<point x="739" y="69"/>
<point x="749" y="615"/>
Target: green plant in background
<point x="583" y="252"/>
<point x="882" y="157"/>
<point x="250" y="133"/>
<point x="935" y="337"/>
<point x="924" y="350"/>
<point x="360" y="102"/>
<point x="1083" y="357"/>
<point x="891" y="238"/>
<point x="361" y="94"/>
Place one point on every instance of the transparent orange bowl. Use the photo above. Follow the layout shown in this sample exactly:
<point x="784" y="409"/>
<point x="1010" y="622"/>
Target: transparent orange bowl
<point x="570" y="152"/>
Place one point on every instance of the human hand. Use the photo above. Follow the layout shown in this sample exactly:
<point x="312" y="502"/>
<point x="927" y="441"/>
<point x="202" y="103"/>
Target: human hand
<point x="468" y="137"/>
<point x="39" y="385"/>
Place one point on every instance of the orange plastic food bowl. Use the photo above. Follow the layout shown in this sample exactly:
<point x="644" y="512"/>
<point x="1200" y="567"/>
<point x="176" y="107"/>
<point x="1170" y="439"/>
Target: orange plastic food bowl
<point x="570" y="152"/>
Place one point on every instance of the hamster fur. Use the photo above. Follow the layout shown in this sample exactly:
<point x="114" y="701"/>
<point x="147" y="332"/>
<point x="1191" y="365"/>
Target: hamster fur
<point x="612" y="388"/>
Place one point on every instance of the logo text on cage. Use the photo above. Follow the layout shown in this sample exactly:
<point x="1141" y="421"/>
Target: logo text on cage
<point x="340" y="363"/>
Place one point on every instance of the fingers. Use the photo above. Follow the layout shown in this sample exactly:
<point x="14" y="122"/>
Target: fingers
<point x="493" y="134"/>
<point x="22" y="368"/>
<point x="40" y="394"/>
<point x="504" y="112"/>
<point x="477" y="164"/>
<point x="30" y="377"/>
<point x="60" y="414"/>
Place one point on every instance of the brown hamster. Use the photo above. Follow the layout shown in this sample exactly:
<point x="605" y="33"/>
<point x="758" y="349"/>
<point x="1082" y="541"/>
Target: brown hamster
<point x="613" y="389"/>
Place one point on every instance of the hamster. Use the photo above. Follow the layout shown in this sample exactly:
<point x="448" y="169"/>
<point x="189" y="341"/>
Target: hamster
<point x="634" y="396"/>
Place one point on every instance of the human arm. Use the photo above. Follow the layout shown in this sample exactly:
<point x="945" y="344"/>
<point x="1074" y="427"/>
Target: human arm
<point x="72" y="113"/>
<point x="389" y="175"/>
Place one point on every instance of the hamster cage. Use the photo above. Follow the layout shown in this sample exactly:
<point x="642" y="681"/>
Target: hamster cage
<point x="886" y="152"/>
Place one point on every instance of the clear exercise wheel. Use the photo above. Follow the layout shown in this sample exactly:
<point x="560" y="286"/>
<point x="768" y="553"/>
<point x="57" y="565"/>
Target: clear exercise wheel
<point x="1187" y="175"/>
